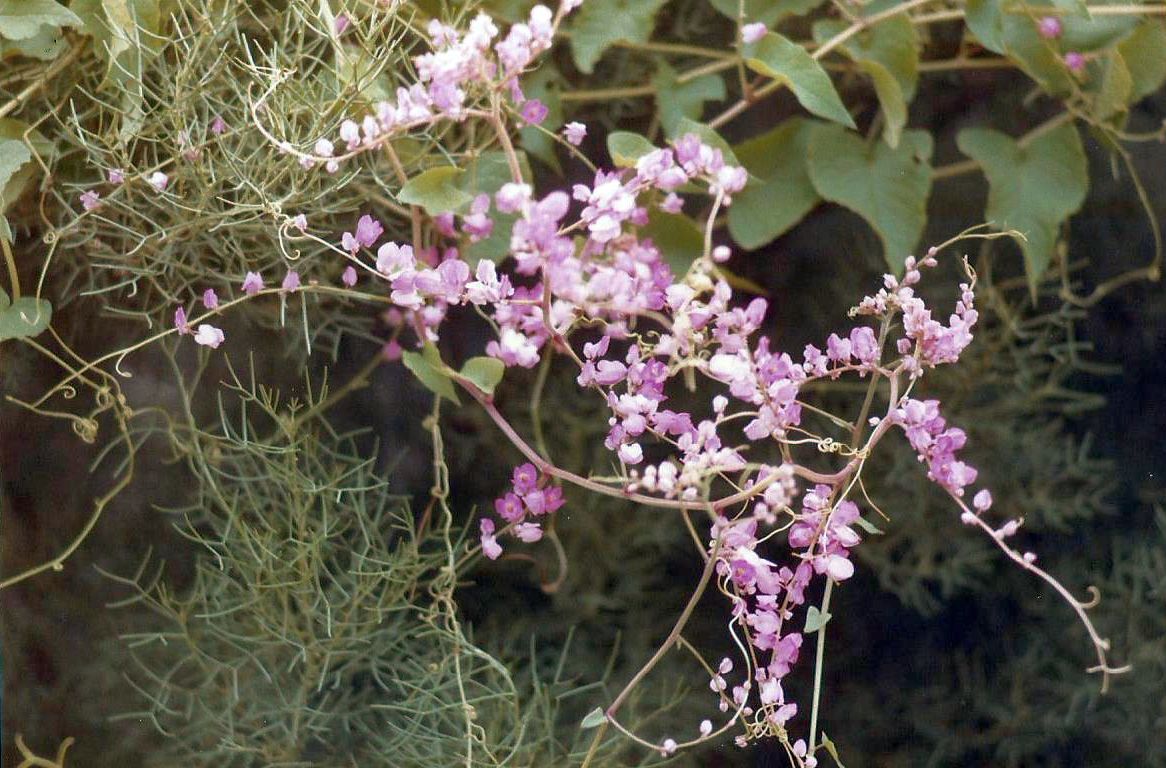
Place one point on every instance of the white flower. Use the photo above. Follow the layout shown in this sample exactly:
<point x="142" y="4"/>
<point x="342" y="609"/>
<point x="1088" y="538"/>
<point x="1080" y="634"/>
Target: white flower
<point x="209" y="336"/>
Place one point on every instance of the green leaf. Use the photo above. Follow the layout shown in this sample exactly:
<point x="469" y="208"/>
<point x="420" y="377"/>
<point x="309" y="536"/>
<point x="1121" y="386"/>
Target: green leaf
<point x="47" y="44"/>
<point x="768" y="12"/>
<point x="1031" y="188"/>
<point x="679" y="238"/>
<point x="485" y="372"/>
<point x="626" y="148"/>
<point x="431" y="371"/>
<point x="831" y="749"/>
<point x="13" y="155"/>
<point x="783" y="193"/>
<point x="24" y="318"/>
<point x="1087" y="32"/>
<point x="594" y="719"/>
<point x="787" y="62"/>
<point x="889" y="53"/>
<point x="1115" y="87"/>
<point x="887" y="187"/>
<point x="868" y="526"/>
<point x="488" y="171"/>
<point x="1144" y="52"/>
<point x="815" y="619"/>
<point x="436" y="190"/>
<point x="986" y="21"/>
<point x="677" y="101"/>
<point x="22" y="19"/>
<point x="709" y="136"/>
<point x="599" y="24"/>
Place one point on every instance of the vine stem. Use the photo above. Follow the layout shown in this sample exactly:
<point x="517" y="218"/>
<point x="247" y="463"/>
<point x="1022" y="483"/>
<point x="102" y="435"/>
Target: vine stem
<point x="13" y="275"/>
<point x="818" y="665"/>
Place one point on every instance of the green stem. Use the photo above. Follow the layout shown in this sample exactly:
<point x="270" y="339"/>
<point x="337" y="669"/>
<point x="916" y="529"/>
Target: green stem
<point x="818" y="666"/>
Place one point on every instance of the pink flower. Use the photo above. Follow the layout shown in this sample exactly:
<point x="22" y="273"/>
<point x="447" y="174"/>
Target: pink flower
<point x="116" y="176"/>
<point x="534" y="112"/>
<point x="575" y="133"/>
<point x="349" y="276"/>
<point x="1075" y="62"/>
<point x="1049" y="27"/>
<point x="528" y="532"/>
<point x="90" y="200"/>
<point x="291" y="281"/>
<point x="210" y="299"/>
<point x="751" y="33"/>
<point x="218" y="125"/>
<point x="982" y="500"/>
<point x="325" y="148"/>
<point x="509" y="508"/>
<point x="252" y="283"/>
<point x="490" y="546"/>
<point x="368" y="231"/>
<point x="524" y="478"/>
<point x="341" y="23"/>
<point x="209" y="336"/>
<point x="300" y="222"/>
<point x="180" y="321"/>
<point x="392" y="351"/>
<point x="159" y="180"/>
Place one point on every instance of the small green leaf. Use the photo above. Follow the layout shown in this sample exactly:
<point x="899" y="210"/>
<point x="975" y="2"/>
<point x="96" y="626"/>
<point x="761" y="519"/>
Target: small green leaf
<point x="24" y="318"/>
<point x="1144" y="52"/>
<point x="815" y="619"/>
<point x="1031" y="188"/>
<point x="485" y="372"/>
<point x="787" y="62"/>
<point x="678" y="237"/>
<point x="831" y="749"/>
<point x="1115" y="87"/>
<point x="768" y="12"/>
<point x="676" y="101"/>
<point x="783" y="193"/>
<point x="436" y="190"/>
<point x="887" y="187"/>
<point x="868" y="526"/>
<point x="626" y="148"/>
<point x="594" y="719"/>
<point x="22" y="19"/>
<point x="599" y="24"/>
<point x="431" y="371"/>
<point x="891" y="99"/>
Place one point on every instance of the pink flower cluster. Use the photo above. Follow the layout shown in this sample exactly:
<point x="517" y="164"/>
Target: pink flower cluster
<point x="530" y="496"/>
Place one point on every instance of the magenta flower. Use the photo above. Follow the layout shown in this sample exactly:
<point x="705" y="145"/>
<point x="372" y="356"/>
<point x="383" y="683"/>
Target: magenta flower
<point x="509" y="507"/>
<point x="341" y="23"/>
<point x="349" y="276"/>
<point x="218" y="125"/>
<point x="252" y="283"/>
<point x="1050" y="27"/>
<point x="1075" y="62"/>
<point x="524" y="479"/>
<point x="209" y="336"/>
<point x="210" y="299"/>
<point x="534" y="112"/>
<point x="180" y="321"/>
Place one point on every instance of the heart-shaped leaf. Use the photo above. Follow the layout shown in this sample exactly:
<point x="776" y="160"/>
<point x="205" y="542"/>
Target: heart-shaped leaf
<point x="887" y="186"/>
<point x="1032" y="188"/>
<point x="436" y="190"/>
<point x="599" y="24"/>
<point x="783" y="193"/>
<point x="485" y="372"/>
<point x="626" y="148"/>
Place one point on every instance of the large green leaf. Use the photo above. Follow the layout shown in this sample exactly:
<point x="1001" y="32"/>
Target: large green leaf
<point x="1144" y="52"/>
<point x="13" y="155"/>
<point x="887" y="186"/>
<point x="679" y="238"/>
<point x="783" y="192"/>
<point x="678" y="101"/>
<point x="1114" y="86"/>
<point x="787" y="62"/>
<point x="18" y="166"/>
<point x="23" y="19"/>
<point x="436" y="190"/>
<point x="599" y="24"/>
<point x="626" y="148"/>
<point x="24" y="318"/>
<point x="768" y="12"/>
<point x="1031" y="188"/>
<point x="427" y="366"/>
